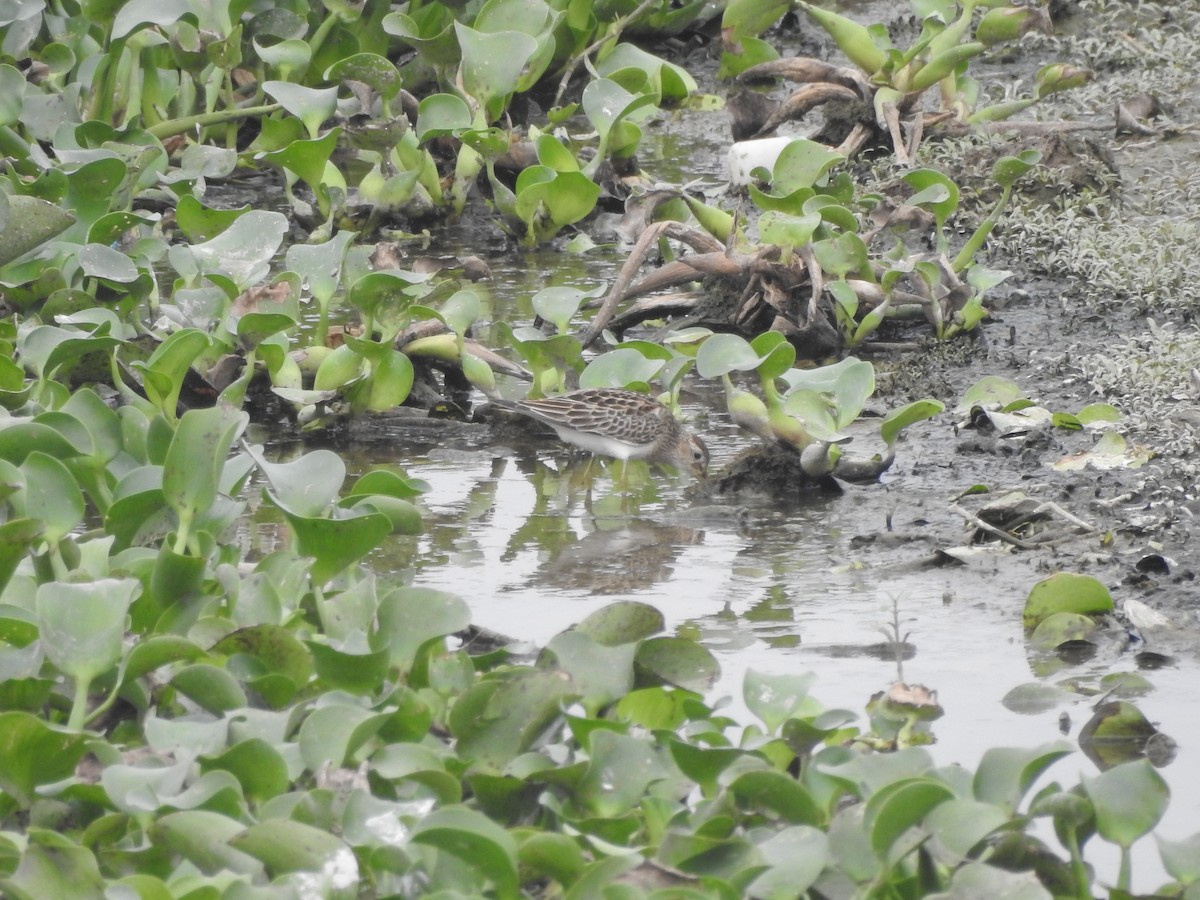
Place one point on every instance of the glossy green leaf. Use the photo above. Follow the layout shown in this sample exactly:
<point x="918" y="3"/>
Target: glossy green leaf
<point x="476" y="841"/>
<point x="33" y="753"/>
<point x="1066" y="592"/>
<point x="1129" y="800"/>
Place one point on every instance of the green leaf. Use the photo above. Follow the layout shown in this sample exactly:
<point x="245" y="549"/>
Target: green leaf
<point x="196" y="459"/>
<point x="82" y="624"/>
<point x="623" y="622"/>
<point x="33" y="753"/>
<point x="678" y="661"/>
<point x="51" y="496"/>
<point x="203" y="839"/>
<point x="312" y="106"/>
<point x="55" y="866"/>
<point x="1005" y="774"/>
<point x="476" y="841"/>
<point x="411" y="617"/>
<point x="898" y="419"/>
<point x="795" y="858"/>
<point x="1066" y="592"/>
<point x="285" y="846"/>
<point x="1129" y="800"/>
<point x="776" y="698"/>
<point x="894" y="809"/>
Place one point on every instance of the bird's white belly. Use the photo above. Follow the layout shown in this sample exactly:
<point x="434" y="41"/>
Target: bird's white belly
<point x="601" y="444"/>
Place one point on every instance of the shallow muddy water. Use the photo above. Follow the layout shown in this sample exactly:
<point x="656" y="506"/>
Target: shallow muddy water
<point x="536" y="539"/>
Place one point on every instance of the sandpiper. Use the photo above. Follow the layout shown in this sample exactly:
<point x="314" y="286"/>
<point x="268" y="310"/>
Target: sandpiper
<point x="618" y="423"/>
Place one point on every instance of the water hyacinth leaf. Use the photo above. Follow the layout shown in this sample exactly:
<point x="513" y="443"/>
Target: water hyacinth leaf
<point x="802" y="164"/>
<point x="558" y="305"/>
<point x="548" y="200"/>
<point x="369" y="68"/>
<point x="1035" y="697"/>
<point x="1129" y="800"/>
<point x="410" y="617"/>
<point x="894" y="809"/>
<point x="493" y="66"/>
<point x="312" y="106"/>
<point x="404" y="516"/>
<point x="390" y="288"/>
<point x="52" y="865"/>
<point x="785" y="230"/>
<point x="777" y="793"/>
<point x="1005" y="774"/>
<point x="389" y="482"/>
<point x="477" y="842"/>
<point x="331" y="734"/>
<point x="795" y="857"/>
<point x="601" y="674"/>
<point x="776" y="698"/>
<point x="243" y="251"/>
<point x="430" y="31"/>
<point x="623" y="622"/>
<point x="678" y="661"/>
<point x="154" y="652"/>
<point x="286" y="846"/>
<point x="618" y="369"/>
<point x="100" y="261"/>
<point x="1066" y="592"/>
<point x="356" y="673"/>
<point x="606" y="103"/>
<point x="778" y="354"/>
<point x="668" y="83"/>
<point x="842" y="256"/>
<point x="552" y="855"/>
<point x="1061" y="627"/>
<point x="196" y="458"/>
<point x="306" y="159"/>
<point x="137" y="13"/>
<point x="552" y="154"/>
<point x="82" y="624"/>
<point x="201" y="223"/>
<point x="935" y="192"/>
<point x="33" y="753"/>
<point x="848" y="383"/>
<point x="991" y="390"/>
<point x="960" y="824"/>
<point x="1009" y="168"/>
<point x="442" y="114"/>
<point x="618" y="773"/>
<point x="202" y="838"/>
<point x="898" y="419"/>
<point x="51" y="496"/>
<point x="1181" y="858"/>
<point x="495" y="722"/>
<point x="31" y="222"/>
<point x="335" y="544"/>
<point x="1117" y="732"/>
<point x="320" y="265"/>
<point x="211" y="688"/>
<point x="289" y="58"/>
<point x="308" y="485"/>
<point x="259" y="767"/>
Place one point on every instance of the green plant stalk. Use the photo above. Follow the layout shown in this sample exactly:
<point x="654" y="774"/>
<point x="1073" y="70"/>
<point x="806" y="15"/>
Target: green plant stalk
<point x="203" y="120"/>
<point x="971" y="247"/>
<point x="322" y="32"/>
<point x="1125" y="875"/>
<point x="1079" y="872"/>
<point x="78" y="715"/>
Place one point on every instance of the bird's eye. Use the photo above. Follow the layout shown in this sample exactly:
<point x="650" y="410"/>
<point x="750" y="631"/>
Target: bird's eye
<point x="699" y="455"/>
